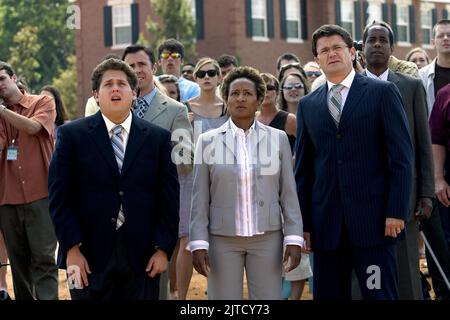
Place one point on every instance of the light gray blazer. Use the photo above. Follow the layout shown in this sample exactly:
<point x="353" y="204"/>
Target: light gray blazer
<point x="214" y="194"/>
<point x="172" y="115"/>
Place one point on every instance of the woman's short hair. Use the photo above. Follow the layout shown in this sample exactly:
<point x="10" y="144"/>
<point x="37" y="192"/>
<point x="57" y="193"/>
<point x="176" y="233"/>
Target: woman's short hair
<point x="246" y="72"/>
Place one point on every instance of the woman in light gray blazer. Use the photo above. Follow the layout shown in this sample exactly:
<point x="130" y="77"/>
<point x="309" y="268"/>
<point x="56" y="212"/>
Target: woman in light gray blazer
<point x="244" y="198"/>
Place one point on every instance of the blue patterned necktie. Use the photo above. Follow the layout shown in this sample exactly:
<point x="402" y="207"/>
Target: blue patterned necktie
<point x="335" y="103"/>
<point x="117" y="143"/>
<point x="141" y="107"/>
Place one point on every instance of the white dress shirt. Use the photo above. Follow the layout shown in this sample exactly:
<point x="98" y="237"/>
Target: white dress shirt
<point x="347" y="83"/>
<point x="383" y="76"/>
<point x="126" y="125"/>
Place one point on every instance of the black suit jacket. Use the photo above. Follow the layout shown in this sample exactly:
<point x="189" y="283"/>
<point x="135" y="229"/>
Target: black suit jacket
<point x="86" y="191"/>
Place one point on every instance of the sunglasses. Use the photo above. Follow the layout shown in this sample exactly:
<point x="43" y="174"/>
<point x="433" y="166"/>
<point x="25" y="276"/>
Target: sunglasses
<point x="270" y="87"/>
<point x="313" y="73"/>
<point x="201" y="73"/>
<point x="293" y="86"/>
<point x="173" y="55"/>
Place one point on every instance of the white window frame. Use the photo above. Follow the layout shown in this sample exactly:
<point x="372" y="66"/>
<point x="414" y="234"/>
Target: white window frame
<point x="404" y="5"/>
<point x="294" y="13"/>
<point x="262" y="16"/>
<point x="374" y="5"/>
<point x="344" y="11"/>
<point x="116" y="24"/>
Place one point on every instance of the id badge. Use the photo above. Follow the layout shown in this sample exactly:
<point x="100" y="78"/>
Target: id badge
<point x="11" y="153"/>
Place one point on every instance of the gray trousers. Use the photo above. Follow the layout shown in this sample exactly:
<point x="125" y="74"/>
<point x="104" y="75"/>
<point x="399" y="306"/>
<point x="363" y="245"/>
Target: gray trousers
<point x="261" y="258"/>
<point x="31" y="243"/>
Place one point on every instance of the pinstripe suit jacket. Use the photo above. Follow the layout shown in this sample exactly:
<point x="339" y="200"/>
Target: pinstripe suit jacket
<point x="356" y="175"/>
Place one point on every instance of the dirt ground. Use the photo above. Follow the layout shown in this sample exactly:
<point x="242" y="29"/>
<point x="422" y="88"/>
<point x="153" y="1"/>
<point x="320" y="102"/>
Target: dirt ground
<point x="197" y="289"/>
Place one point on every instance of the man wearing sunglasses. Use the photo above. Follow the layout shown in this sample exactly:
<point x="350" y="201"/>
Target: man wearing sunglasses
<point x="171" y="55"/>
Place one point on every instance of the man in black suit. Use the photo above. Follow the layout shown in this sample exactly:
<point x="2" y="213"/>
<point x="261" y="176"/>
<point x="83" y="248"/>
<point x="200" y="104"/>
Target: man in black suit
<point x="111" y="186"/>
<point x="354" y="173"/>
<point x="378" y="42"/>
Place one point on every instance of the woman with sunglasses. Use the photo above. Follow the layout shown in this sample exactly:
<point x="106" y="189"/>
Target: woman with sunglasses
<point x="293" y="87"/>
<point x="312" y="71"/>
<point x="269" y="113"/>
<point x="244" y="197"/>
<point x="206" y="111"/>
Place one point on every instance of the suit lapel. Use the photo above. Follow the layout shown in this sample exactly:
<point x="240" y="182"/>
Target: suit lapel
<point x="356" y="92"/>
<point x="228" y="138"/>
<point x="392" y="77"/>
<point x="136" y="138"/>
<point x="260" y="137"/>
<point x="99" y="133"/>
<point x="157" y="106"/>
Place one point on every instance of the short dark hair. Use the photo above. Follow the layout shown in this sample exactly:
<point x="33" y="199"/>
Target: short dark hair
<point x="439" y="23"/>
<point x="248" y="73"/>
<point x="226" y="59"/>
<point x="172" y="45"/>
<point x="61" y="113"/>
<point x="136" y="48"/>
<point x="379" y="24"/>
<point x="328" y="30"/>
<point x="113" y="64"/>
<point x="287" y="56"/>
<point x="7" y="67"/>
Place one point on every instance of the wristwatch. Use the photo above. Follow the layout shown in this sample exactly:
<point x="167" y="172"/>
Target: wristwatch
<point x="2" y="108"/>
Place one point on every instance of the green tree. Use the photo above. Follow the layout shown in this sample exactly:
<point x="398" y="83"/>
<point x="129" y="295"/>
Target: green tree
<point x="175" y="20"/>
<point x="23" y="52"/>
<point x="48" y="17"/>
<point x="66" y="83"/>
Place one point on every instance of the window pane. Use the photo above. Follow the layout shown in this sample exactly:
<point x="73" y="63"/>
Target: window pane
<point x="403" y="15"/>
<point x="348" y="26"/>
<point x="121" y="15"/>
<point x="258" y="27"/>
<point x="426" y="38"/>
<point x="347" y="11"/>
<point x="374" y="13"/>
<point x="402" y="33"/>
<point x="258" y="8"/>
<point x="292" y="29"/>
<point x="425" y="17"/>
<point x="292" y="10"/>
<point x="123" y="35"/>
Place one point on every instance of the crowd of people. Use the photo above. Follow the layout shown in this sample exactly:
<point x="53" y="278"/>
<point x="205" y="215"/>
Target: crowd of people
<point x="332" y="171"/>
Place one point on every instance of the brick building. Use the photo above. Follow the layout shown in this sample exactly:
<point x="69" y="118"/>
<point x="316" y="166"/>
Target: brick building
<point x="256" y="31"/>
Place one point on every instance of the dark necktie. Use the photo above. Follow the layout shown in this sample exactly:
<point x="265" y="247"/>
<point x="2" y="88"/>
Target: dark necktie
<point x="141" y="107"/>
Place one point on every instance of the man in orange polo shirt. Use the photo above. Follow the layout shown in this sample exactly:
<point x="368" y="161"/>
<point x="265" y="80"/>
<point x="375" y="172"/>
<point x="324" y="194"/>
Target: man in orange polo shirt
<point x="26" y="146"/>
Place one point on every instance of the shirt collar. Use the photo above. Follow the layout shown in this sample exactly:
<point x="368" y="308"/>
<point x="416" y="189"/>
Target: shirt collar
<point x="383" y="76"/>
<point x="23" y="101"/>
<point x="239" y="131"/>
<point x="347" y="82"/>
<point x="126" y="124"/>
<point x="149" y="96"/>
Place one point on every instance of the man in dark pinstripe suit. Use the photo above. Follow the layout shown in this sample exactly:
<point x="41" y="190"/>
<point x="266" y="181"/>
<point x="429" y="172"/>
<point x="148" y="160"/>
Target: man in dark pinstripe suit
<point x="354" y="173"/>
